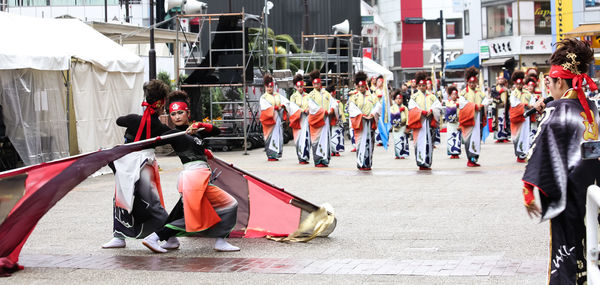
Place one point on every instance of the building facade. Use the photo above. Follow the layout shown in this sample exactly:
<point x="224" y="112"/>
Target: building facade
<point x="515" y="35"/>
<point x="416" y="47"/>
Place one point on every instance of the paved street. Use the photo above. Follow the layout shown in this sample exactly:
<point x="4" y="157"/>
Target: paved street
<point x="452" y="225"/>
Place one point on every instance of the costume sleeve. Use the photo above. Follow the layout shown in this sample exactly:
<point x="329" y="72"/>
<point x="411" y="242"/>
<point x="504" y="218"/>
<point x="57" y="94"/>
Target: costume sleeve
<point x="267" y="112"/>
<point x="131" y="120"/>
<point x="547" y="167"/>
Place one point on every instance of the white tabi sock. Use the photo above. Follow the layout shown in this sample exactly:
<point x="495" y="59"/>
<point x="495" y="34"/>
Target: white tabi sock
<point x="172" y="243"/>
<point x="115" y="243"/>
<point x="151" y="242"/>
<point x="222" y="245"/>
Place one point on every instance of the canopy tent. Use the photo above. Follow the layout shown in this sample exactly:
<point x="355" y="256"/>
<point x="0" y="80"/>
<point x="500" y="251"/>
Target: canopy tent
<point x="464" y="61"/>
<point x="38" y="58"/>
<point x="371" y="68"/>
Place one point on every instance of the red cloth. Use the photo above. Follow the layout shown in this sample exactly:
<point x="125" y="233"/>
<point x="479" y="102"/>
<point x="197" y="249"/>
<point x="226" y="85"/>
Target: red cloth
<point x="414" y="119"/>
<point x="558" y="71"/>
<point x="516" y="114"/>
<point x="150" y="110"/>
<point x="466" y="116"/>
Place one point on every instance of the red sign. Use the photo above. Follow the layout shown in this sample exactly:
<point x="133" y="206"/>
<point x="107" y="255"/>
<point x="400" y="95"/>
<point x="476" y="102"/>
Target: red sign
<point x="368" y="52"/>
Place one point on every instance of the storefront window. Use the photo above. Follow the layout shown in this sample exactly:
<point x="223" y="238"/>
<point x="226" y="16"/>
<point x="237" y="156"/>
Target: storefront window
<point x="542" y="18"/>
<point x="432" y="30"/>
<point x="499" y="21"/>
<point x="453" y="28"/>
<point x="592" y="3"/>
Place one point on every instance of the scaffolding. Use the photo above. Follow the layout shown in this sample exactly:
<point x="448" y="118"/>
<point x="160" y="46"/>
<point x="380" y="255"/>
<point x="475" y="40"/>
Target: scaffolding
<point x="240" y="66"/>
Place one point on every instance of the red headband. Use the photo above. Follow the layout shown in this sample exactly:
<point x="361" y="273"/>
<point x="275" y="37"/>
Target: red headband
<point x="421" y="82"/>
<point x="557" y="71"/>
<point x="454" y="92"/>
<point x="362" y="83"/>
<point x="300" y="83"/>
<point x="176" y="106"/>
<point x="413" y="81"/>
<point x="317" y="81"/>
<point x="531" y="83"/>
<point x="472" y="79"/>
<point x="519" y="81"/>
<point x="270" y="84"/>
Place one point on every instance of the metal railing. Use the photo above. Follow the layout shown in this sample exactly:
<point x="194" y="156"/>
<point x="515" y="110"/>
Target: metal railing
<point x="591" y="244"/>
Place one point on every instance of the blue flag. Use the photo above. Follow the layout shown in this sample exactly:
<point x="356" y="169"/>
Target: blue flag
<point x="384" y="124"/>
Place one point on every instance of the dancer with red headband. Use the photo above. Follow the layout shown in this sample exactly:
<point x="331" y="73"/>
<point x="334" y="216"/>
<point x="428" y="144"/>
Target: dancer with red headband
<point x="500" y="99"/>
<point x="471" y="116"/>
<point x="399" y="118"/>
<point x="453" y="133"/>
<point x="203" y="209"/>
<point x="520" y="127"/>
<point x="364" y="110"/>
<point x="531" y="83"/>
<point x="273" y="113"/>
<point x="138" y="207"/>
<point x="380" y="93"/>
<point x="555" y="166"/>
<point x="321" y="117"/>
<point x="299" y="120"/>
<point x="424" y="113"/>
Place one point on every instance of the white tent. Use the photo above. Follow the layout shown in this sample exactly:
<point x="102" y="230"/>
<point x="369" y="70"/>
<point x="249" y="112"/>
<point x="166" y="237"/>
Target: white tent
<point x="371" y="68"/>
<point x="55" y="69"/>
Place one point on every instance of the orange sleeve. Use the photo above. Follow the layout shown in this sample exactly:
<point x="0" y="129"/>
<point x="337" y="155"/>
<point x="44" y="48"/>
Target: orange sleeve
<point x="267" y="116"/>
<point x="295" y="120"/>
<point x="466" y="116"/>
<point x="414" y="118"/>
<point x="516" y="114"/>
<point x="316" y="120"/>
<point x="357" y="122"/>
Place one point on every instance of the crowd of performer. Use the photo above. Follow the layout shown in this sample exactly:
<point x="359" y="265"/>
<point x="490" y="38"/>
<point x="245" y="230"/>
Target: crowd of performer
<point x="373" y="114"/>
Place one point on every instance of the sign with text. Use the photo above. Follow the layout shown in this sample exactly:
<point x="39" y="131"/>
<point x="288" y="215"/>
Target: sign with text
<point x="434" y="56"/>
<point x="536" y="44"/>
<point x="505" y="46"/>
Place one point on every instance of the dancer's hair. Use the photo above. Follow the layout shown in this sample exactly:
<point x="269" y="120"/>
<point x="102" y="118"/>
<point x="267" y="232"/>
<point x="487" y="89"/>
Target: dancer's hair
<point x="584" y="55"/>
<point x="267" y="79"/>
<point x="470" y="72"/>
<point x="517" y="75"/>
<point x="297" y="78"/>
<point x="421" y="75"/>
<point x="360" y="76"/>
<point x="451" y="89"/>
<point x="314" y="74"/>
<point x="155" y="90"/>
<point x="178" y="96"/>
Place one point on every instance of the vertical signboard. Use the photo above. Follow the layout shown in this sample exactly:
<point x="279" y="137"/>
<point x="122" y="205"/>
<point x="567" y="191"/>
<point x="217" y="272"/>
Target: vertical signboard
<point x="563" y="10"/>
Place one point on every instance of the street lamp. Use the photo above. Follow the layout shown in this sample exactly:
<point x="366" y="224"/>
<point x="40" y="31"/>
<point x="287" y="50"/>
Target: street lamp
<point x="440" y="20"/>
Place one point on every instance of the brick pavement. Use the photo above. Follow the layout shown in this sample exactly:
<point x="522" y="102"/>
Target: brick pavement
<point x="467" y="266"/>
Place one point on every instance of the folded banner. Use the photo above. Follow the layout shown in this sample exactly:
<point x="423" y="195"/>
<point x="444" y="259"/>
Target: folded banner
<point x="27" y="194"/>
<point x="264" y="209"/>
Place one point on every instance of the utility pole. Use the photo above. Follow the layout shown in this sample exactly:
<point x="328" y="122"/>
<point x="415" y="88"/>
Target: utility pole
<point x="152" y="52"/>
<point x="442" y="57"/>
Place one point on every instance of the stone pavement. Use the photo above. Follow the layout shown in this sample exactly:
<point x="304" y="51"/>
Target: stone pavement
<point x="451" y="225"/>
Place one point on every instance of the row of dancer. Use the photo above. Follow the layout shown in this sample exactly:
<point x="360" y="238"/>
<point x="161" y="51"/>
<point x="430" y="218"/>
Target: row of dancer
<point x="315" y="118"/>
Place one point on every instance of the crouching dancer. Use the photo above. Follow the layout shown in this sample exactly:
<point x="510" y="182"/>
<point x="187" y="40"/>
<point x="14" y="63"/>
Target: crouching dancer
<point x="203" y="209"/>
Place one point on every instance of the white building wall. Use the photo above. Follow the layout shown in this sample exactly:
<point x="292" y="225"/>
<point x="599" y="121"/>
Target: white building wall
<point x="471" y="41"/>
<point x="389" y="11"/>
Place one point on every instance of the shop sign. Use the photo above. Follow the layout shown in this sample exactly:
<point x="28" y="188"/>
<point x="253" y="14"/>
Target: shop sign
<point x="503" y="46"/>
<point x="536" y="44"/>
<point x="433" y="56"/>
<point x="484" y="50"/>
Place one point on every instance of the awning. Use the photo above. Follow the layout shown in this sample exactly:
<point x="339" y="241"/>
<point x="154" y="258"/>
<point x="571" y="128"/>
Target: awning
<point x="464" y="61"/>
<point x="495" y="61"/>
<point x="130" y="34"/>
<point x="584" y="30"/>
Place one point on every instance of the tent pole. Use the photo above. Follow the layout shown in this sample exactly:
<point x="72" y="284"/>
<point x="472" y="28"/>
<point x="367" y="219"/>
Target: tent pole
<point x="68" y="84"/>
